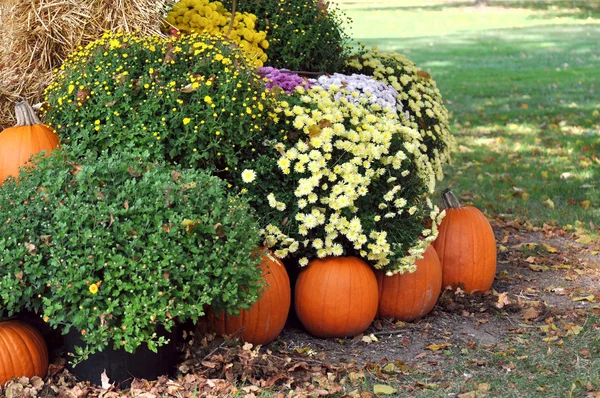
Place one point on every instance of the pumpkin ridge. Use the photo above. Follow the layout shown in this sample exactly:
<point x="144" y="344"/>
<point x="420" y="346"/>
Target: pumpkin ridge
<point x="25" y="329"/>
<point x="350" y="298"/>
<point x="419" y="294"/>
<point x="4" y="365"/>
<point x="445" y="242"/>
<point x="475" y="276"/>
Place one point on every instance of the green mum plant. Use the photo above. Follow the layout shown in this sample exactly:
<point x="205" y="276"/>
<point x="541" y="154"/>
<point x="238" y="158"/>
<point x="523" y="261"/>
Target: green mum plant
<point x="357" y="177"/>
<point x="303" y="35"/>
<point x="199" y="16"/>
<point x="116" y="247"/>
<point x="192" y="100"/>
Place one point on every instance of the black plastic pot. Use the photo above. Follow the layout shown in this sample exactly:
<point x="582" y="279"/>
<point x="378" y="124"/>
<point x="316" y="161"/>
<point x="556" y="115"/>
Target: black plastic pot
<point x="120" y="366"/>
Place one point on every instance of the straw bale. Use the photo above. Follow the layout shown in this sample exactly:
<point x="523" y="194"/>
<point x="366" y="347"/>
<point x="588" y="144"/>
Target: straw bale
<point x="39" y="34"/>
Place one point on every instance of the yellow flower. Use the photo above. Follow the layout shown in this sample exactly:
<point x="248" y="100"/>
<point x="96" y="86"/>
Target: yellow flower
<point x="186" y="120"/>
<point x="93" y="288"/>
<point x="248" y="176"/>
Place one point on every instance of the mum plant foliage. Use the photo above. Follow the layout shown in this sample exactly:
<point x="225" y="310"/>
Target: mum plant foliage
<point x="198" y="16"/>
<point x="303" y="35"/>
<point x="116" y="246"/>
<point x="341" y="165"/>
<point x="192" y="100"/>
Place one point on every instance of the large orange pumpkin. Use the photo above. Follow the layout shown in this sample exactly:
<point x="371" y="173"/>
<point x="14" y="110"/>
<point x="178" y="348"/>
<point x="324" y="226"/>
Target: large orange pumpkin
<point x="23" y="351"/>
<point x="336" y="297"/>
<point x="407" y="297"/>
<point x="466" y="246"/>
<point x="28" y="137"/>
<point x="266" y="318"/>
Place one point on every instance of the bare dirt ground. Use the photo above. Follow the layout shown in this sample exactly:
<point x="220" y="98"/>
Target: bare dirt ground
<point x="545" y="276"/>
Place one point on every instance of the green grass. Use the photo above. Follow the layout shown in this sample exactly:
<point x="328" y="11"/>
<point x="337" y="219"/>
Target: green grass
<point x="522" y="89"/>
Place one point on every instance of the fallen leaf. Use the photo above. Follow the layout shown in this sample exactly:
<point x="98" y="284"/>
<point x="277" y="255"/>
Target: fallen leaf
<point x="502" y="300"/>
<point x="549" y="203"/>
<point x="437" y="347"/>
<point x="564" y="176"/>
<point x="31" y="248"/>
<point x="589" y="298"/>
<point x="585" y="204"/>
<point x="530" y="314"/>
<point x="485" y="387"/>
<point x="105" y="381"/>
<point x="389" y="368"/>
<point x="573" y="330"/>
<point x="382" y="389"/>
<point x="585" y="240"/>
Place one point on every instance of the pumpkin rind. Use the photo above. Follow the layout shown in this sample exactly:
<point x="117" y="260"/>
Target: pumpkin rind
<point x="466" y="247"/>
<point x="265" y="319"/>
<point x="28" y="137"/>
<point x="336" y="297"/>
<point x="406" y="297"/>
<point x="23" y="351"/>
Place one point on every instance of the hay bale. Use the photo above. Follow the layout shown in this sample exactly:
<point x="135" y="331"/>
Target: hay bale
<point x="39" y="34"/>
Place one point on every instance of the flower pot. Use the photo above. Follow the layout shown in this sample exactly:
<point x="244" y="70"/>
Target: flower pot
<point x="120" y="366"/>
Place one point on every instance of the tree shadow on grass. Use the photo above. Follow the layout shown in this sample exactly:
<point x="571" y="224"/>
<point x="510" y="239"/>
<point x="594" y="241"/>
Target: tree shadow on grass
<point x="576" y="9"/>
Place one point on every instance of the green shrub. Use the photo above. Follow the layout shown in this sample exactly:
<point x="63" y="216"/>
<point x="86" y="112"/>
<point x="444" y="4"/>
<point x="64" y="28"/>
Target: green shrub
<point x="115" y="246"/>
<point x="191" y="100"/>
<point x="303" y="35"/>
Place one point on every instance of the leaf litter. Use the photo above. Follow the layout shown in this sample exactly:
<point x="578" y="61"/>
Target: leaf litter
<point x="547" y="285"/>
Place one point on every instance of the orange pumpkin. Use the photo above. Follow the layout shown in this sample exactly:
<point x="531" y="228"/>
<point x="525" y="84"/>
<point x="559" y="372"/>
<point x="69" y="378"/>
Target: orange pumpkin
<point x="23" y="351"/>
<point x="28" y="137"/>
<point x="263" y="322"/>
<point x="466" y="246"/>
<point x="407" y="297"/>
<point x="336" y="297"/>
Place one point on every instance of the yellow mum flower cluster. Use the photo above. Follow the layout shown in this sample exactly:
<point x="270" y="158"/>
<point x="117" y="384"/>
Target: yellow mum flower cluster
<point x="196" y="16"/>
<point x="354" y="185"/>
<point x="421" y="99"/>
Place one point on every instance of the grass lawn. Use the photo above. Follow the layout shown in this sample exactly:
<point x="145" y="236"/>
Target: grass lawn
<point x="523" y="87"/>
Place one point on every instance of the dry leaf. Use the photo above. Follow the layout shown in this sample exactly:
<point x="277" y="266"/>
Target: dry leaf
<point x="437" y="347"/>
<point x="589" y="298"/>
<point x="502" y="300"/>
<point x="31" y="248"/>
<point x="105" y="380"/>
<point x="549" y="203"/>
<point x="382" y="389"/>
<point x="530" y="314"/>
<point x="538" y="268"/>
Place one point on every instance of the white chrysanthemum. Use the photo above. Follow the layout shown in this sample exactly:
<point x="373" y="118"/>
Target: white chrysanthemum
<point x="248" y="176"/>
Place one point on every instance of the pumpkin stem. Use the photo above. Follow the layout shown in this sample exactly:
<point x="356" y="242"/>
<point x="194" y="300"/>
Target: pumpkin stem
<point x="450" y="200"/>
<point x="25" y="115"/>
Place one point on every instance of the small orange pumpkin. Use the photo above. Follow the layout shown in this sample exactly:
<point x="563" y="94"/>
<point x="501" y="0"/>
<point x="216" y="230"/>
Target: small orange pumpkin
<point x="466" y="246"/>
<point x="266" y="318"/>
<point x="407" y="297"/>
<point x="336" y="297"/>
<point x="23" y="351"/>
<point x="28" y="137"/>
